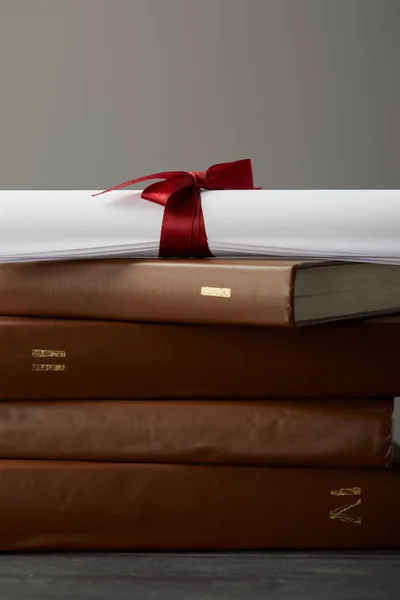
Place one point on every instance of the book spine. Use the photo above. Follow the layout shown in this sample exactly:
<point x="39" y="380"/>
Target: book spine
<point x="58" y="359"/>
<point x="50" y="505"/>
<point x="47" y="359"/>
<point x="153" y="291"/>
<point x="347" y="433"/>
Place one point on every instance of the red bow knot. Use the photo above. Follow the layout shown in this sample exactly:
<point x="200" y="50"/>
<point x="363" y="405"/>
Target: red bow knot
<point x="183" y="232"/>
<point x="199" y="179"/>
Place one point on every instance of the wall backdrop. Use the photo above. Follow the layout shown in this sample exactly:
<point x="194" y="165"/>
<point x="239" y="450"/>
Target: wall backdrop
<point x="97" y="91"/>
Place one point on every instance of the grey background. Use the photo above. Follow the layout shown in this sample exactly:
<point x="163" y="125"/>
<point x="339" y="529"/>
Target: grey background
<point x="94" y="92"/>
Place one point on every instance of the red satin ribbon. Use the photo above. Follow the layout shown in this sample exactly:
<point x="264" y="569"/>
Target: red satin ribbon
<point x="183" y="232"/>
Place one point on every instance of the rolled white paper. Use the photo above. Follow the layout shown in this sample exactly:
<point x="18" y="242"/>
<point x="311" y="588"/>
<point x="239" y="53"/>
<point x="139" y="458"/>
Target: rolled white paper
<point x="361" y="225"/>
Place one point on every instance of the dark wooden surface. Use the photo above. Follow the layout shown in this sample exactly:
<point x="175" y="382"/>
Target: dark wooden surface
<point x="276" y="576"/>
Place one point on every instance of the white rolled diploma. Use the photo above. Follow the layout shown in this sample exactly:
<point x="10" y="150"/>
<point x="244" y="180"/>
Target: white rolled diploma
<point x="361" y="225"/>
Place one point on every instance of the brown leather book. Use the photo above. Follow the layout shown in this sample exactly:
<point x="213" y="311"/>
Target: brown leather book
<point x="51" y="505"/>
<point x="326" y="433"/>
<point x="240" y="292"/>
<point x="47" y="359"/>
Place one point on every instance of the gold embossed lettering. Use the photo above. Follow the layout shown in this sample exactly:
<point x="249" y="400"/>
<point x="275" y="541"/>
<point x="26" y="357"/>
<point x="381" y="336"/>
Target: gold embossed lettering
<point x="47" y="367"/>
<point x="342" y="512"/>
<point x="217" y="292"/>
<point x="355" y="491"/>
<point x="44" y="353"/>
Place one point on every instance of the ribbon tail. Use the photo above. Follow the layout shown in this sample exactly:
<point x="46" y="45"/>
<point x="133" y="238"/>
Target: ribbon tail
<point x="199" y="243"/>
<point x="120" y="186"/>
<point x="177" y="225"/>
<point x="183" y="233"/>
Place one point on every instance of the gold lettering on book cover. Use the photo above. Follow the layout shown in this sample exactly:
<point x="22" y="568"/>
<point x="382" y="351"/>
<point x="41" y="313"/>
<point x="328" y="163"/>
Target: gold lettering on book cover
<point x="217" y="292"/>
<point x="45" y="353"/>
<point x="355" y="491"/>
<point x="47" y="367"/>
<point x="342" y="512"/>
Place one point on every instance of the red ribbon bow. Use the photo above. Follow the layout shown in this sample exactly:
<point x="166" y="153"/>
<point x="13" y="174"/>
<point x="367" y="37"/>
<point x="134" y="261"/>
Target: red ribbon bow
<point x="183" y="232"/>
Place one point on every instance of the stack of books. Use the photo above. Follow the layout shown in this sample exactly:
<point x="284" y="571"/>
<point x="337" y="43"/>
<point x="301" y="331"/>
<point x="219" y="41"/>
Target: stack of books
<point x="201" y="404"/>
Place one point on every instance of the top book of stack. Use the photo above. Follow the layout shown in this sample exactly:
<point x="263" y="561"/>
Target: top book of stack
<point x="211" y="291"/>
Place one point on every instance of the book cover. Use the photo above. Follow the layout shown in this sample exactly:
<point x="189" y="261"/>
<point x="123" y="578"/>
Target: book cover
<point x="55" y="359"/>
<point x="77" y="506"/>
<point x="279" y="432"/>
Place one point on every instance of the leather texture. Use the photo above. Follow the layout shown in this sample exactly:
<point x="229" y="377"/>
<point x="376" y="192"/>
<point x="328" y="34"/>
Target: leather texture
<point x="221" y="292"/>
<point x="110" y="360"/>
<point x="50" y="505"/>
<point x="330" y="433"/>
<point x="152" y="290"/>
